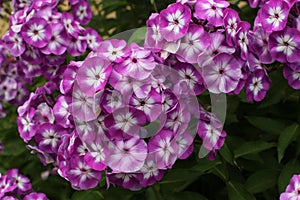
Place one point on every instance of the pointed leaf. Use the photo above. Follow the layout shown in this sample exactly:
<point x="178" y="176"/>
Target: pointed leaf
<point x="285" y="139"/>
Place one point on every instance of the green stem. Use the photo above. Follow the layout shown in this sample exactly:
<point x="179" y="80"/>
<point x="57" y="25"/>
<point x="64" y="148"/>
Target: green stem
<point x="154" y="6"/>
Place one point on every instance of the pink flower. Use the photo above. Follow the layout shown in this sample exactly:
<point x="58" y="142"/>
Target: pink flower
<point x="127" y="155"/>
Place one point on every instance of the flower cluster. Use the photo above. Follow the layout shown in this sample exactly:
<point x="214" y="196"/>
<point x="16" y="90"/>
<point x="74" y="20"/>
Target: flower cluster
<point x="14" y="186"/>
<point x="40" y="36"/>
<point x="229" y="54"/>
<point x="127" y="110"/>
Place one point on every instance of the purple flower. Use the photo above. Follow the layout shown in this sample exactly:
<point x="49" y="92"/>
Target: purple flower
<point x="223" y="74"/>
<point x="231" y="20"/>
<point x="259" y="40"/>
<point x="26" y="126"/>
<point x="111" y="100"/>
<point x="127" y="155"/>
<point x="48" y="137"/>
<point x="292" y="191"/>
<point x="81" y="176"/>
<point x="98" y="155"/>
<point x="285" y="45"/>
<point x="8" y="88"/>
<point x="36" y="32"/>
<point x="292" y="73"/>
<point x="82" y="12"/>
<point x="138" y="65"/>
<point x="113" y="50"/>
<point x="189" y="80"/>
<point x="177" y="118"/>
<point x="150" y="105"/>
<point x="22" y="182"/>
<point x="84" y="107"/>
<point x="58" y="42"/>
<point x="14" y="43"/>
<point x="126" y="180"/>
<point x="242" y="38"/>
<point x="6" y="185"/>
<point x="210" y="131"/>
<point x="71" y="27"/>
<point x="274" y="15"/>
<point x="254" y="3"/>
<point x="192" y="44"/>
<point x="211" y="10"/>
<point x="257" y="85"/>
<point x="61" y="112"/>
<point x="125" y="122"/>
<point x="93" y="39"/>
<point x="77" y="46"/>
<point x="149" y="172"/>
<point x="34" y="195"/>
<point x="154" y="37"/>
<point x="174" y="21"/>
<point x="93" y="75"/>
<point x="164" y="149"/>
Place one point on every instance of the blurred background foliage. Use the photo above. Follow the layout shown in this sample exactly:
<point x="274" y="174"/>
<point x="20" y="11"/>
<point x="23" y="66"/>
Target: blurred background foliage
<point x="260" y="154"/>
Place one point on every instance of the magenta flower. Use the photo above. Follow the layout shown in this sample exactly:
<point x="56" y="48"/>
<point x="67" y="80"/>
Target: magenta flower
<point x="93" y="75"/>
<point x="125" y="122"/>
<point x="189" y="80"/>
<point x="211" y="10"/>
<point x="274" y="15"/>
<point x="22" y="182"/>
<point x="150" y="105"/>
<point x="292" y="190"/>
<point x="77" y="46"/>
<point x="6" y="185"/>
<point x="127" y="155"/>
<point x="223" y="74"/>
<point x="218" y="45"/>
<point x="34" y="195"/>
<point x="164" y="149"/>
<point x="184" y="140"/>
<point x="138" y="65"/>
<point x="58" y="42"/>
<point x="26" y="127"/>
<point x="174" y="21"/>
<point x="82" y="12"/>
<point x="98" y="155"/>
<point x="292" y="73"/>
<point x="285" y="45"/>
<point x="93" y="39"/>
<point x="36" y="32"/>
<point x="111" y="100"/>
<point x="154" y="36"/>
<point x="177" y="118"/>
<point x="257" y="85"/>
<point x="71" y="27"/>
<point x="48" y="137"/>
<point x="192" y="44"/>
<point x="149" y="172"/>
<point x="8" y="88"/>
<point x="254" y="3"/>
<point x="231" y="20"/>
<point x="210" y="131"/>
<point x="81" y="176"/>
<point x="84" y="107"/>
<point x="242" y="38"/>
<point x="114" y="50"/>
<point x="61" y="112"/>
<point x="14" y="43"/>
<point x="259" y="41"/>
<point x="126" y="180"/>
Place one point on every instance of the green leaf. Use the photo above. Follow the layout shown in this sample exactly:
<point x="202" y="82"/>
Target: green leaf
<point x="285" y="139"/>
<point x="186" y="196"/>
<point x="227" y="154"/>
<point x="87" y="195"/>
<point x="138" y="36"/>
<point x="261" y="181"/>
<point x="236" y="191"/>
<point x="252" y="147"/>
<point x="292" y="167"/>
<point x="268" y="125"/>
